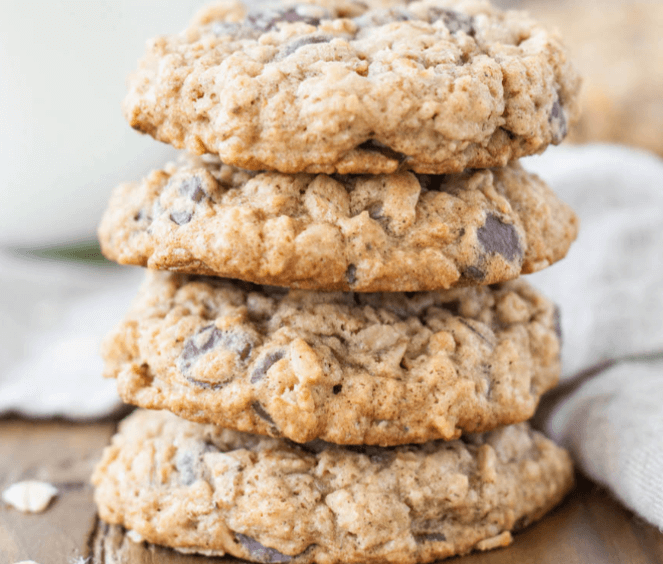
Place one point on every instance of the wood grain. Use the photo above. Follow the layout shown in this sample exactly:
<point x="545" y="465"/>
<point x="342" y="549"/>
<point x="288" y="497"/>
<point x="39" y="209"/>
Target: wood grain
<point x="62" y="454"/>
<point x="589" y="527"/>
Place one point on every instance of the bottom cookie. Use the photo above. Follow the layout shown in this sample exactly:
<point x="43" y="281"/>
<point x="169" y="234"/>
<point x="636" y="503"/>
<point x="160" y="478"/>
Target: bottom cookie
<point x="205" y="489"/>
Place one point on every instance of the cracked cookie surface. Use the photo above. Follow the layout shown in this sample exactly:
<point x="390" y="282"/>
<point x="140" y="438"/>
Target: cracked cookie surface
<point x="201" y="488"/>
<point x="348" y="368"/>
<point x="395" y="232"/>
<point x="435" y="86"/>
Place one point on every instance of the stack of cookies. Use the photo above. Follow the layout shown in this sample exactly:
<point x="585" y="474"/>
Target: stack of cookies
<point x="332" y="335"/>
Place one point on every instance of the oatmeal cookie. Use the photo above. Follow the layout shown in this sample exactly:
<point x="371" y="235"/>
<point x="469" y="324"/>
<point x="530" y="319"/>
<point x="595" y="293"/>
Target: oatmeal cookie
<point x="202" y="488"/>
<point x="434" y="86"/>
<point x="348" y="368"/>
<point x="395" y="232"/>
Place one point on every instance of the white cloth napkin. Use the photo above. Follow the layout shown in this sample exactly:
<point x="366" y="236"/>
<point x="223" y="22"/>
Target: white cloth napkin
<point x="53" y="316"/>
<point x="610" y="290"/>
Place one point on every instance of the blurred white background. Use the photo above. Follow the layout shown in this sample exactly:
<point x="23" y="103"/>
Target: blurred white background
<point x="63" y="141"/>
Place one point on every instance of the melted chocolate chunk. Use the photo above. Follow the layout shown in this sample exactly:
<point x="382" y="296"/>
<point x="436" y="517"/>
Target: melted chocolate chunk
<point x="312" y="39"/>
<point x="259" y="552"/>
<point x="206" y="385"/>
<point x="337" y="389"/>
<point x="498" y="237"/>
<point x="181" y="217"/>
<point x="557" y="121"/>
<point x="375" y="211"/>
<point x="265" y="364"/>
<point x="453" y="21"/>
<point x="264" y="20"/>
<point x="377" y="147"/>
<point x="193" y="189"/>
<point x="351" y="275"/>
<point x="429" y="537"/>
<point x="260" y="410"/>
<point x="240" y="343"/>
<point x="474" y="273"/>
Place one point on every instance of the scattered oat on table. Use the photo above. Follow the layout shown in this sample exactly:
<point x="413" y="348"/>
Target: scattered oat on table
<point x="30" y="496"/>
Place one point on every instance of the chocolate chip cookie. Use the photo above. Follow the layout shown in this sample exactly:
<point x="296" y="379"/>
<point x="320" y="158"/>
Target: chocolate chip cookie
<point x="434" y="86"/>
<point x="395" y="232"/>
<point x="202" y="488"/>
<point x="348" y="368"/>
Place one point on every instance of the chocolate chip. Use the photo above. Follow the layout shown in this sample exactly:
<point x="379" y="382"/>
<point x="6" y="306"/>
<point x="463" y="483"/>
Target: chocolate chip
<point x="498" y="237"/>
<point x="259" y="552"/>
<point x="260" y="410"/>
<point x="557" y="320"/>
<point x="453" y="21"/>
<point x="292" y="15"/>
<point x="185" y="462"/>
<point x="240" y="343"/>
<point x="193" y="188"/>
<point x="312" y="39"/>
<point x="181" y="217"/>
<point x="206" y="385"/>
<point x="474" y="273"/>
<point x="139" y="215"/>
<point x="377" y="147"/>
<point x="429" y="537"/>
<point x="351" y="275"/>
<point x="264" y="20"/>
<point x="265" y="364"/>
<point x="375" y="210"/>
<point x="557" y="122"/>
<point x="337" y="389"/>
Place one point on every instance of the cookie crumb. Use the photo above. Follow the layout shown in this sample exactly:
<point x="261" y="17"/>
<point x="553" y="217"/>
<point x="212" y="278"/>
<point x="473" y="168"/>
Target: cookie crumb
<point x="30" y="496"/>
<point x="134" y="536"/>
<point x="501" y="540"/>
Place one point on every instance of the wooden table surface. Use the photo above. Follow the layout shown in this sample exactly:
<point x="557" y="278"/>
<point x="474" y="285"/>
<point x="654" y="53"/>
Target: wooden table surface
<point x="589" y="527"/>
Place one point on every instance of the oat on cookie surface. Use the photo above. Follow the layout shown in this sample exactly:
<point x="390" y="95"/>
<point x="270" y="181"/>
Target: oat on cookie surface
<point x="344" y="367"/>
<point x="434" y="86"/>
<point x="201" y="488"/>
<point x="396" y="232"/>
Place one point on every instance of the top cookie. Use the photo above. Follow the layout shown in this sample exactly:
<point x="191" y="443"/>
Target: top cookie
<point x="435" y="86"/>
